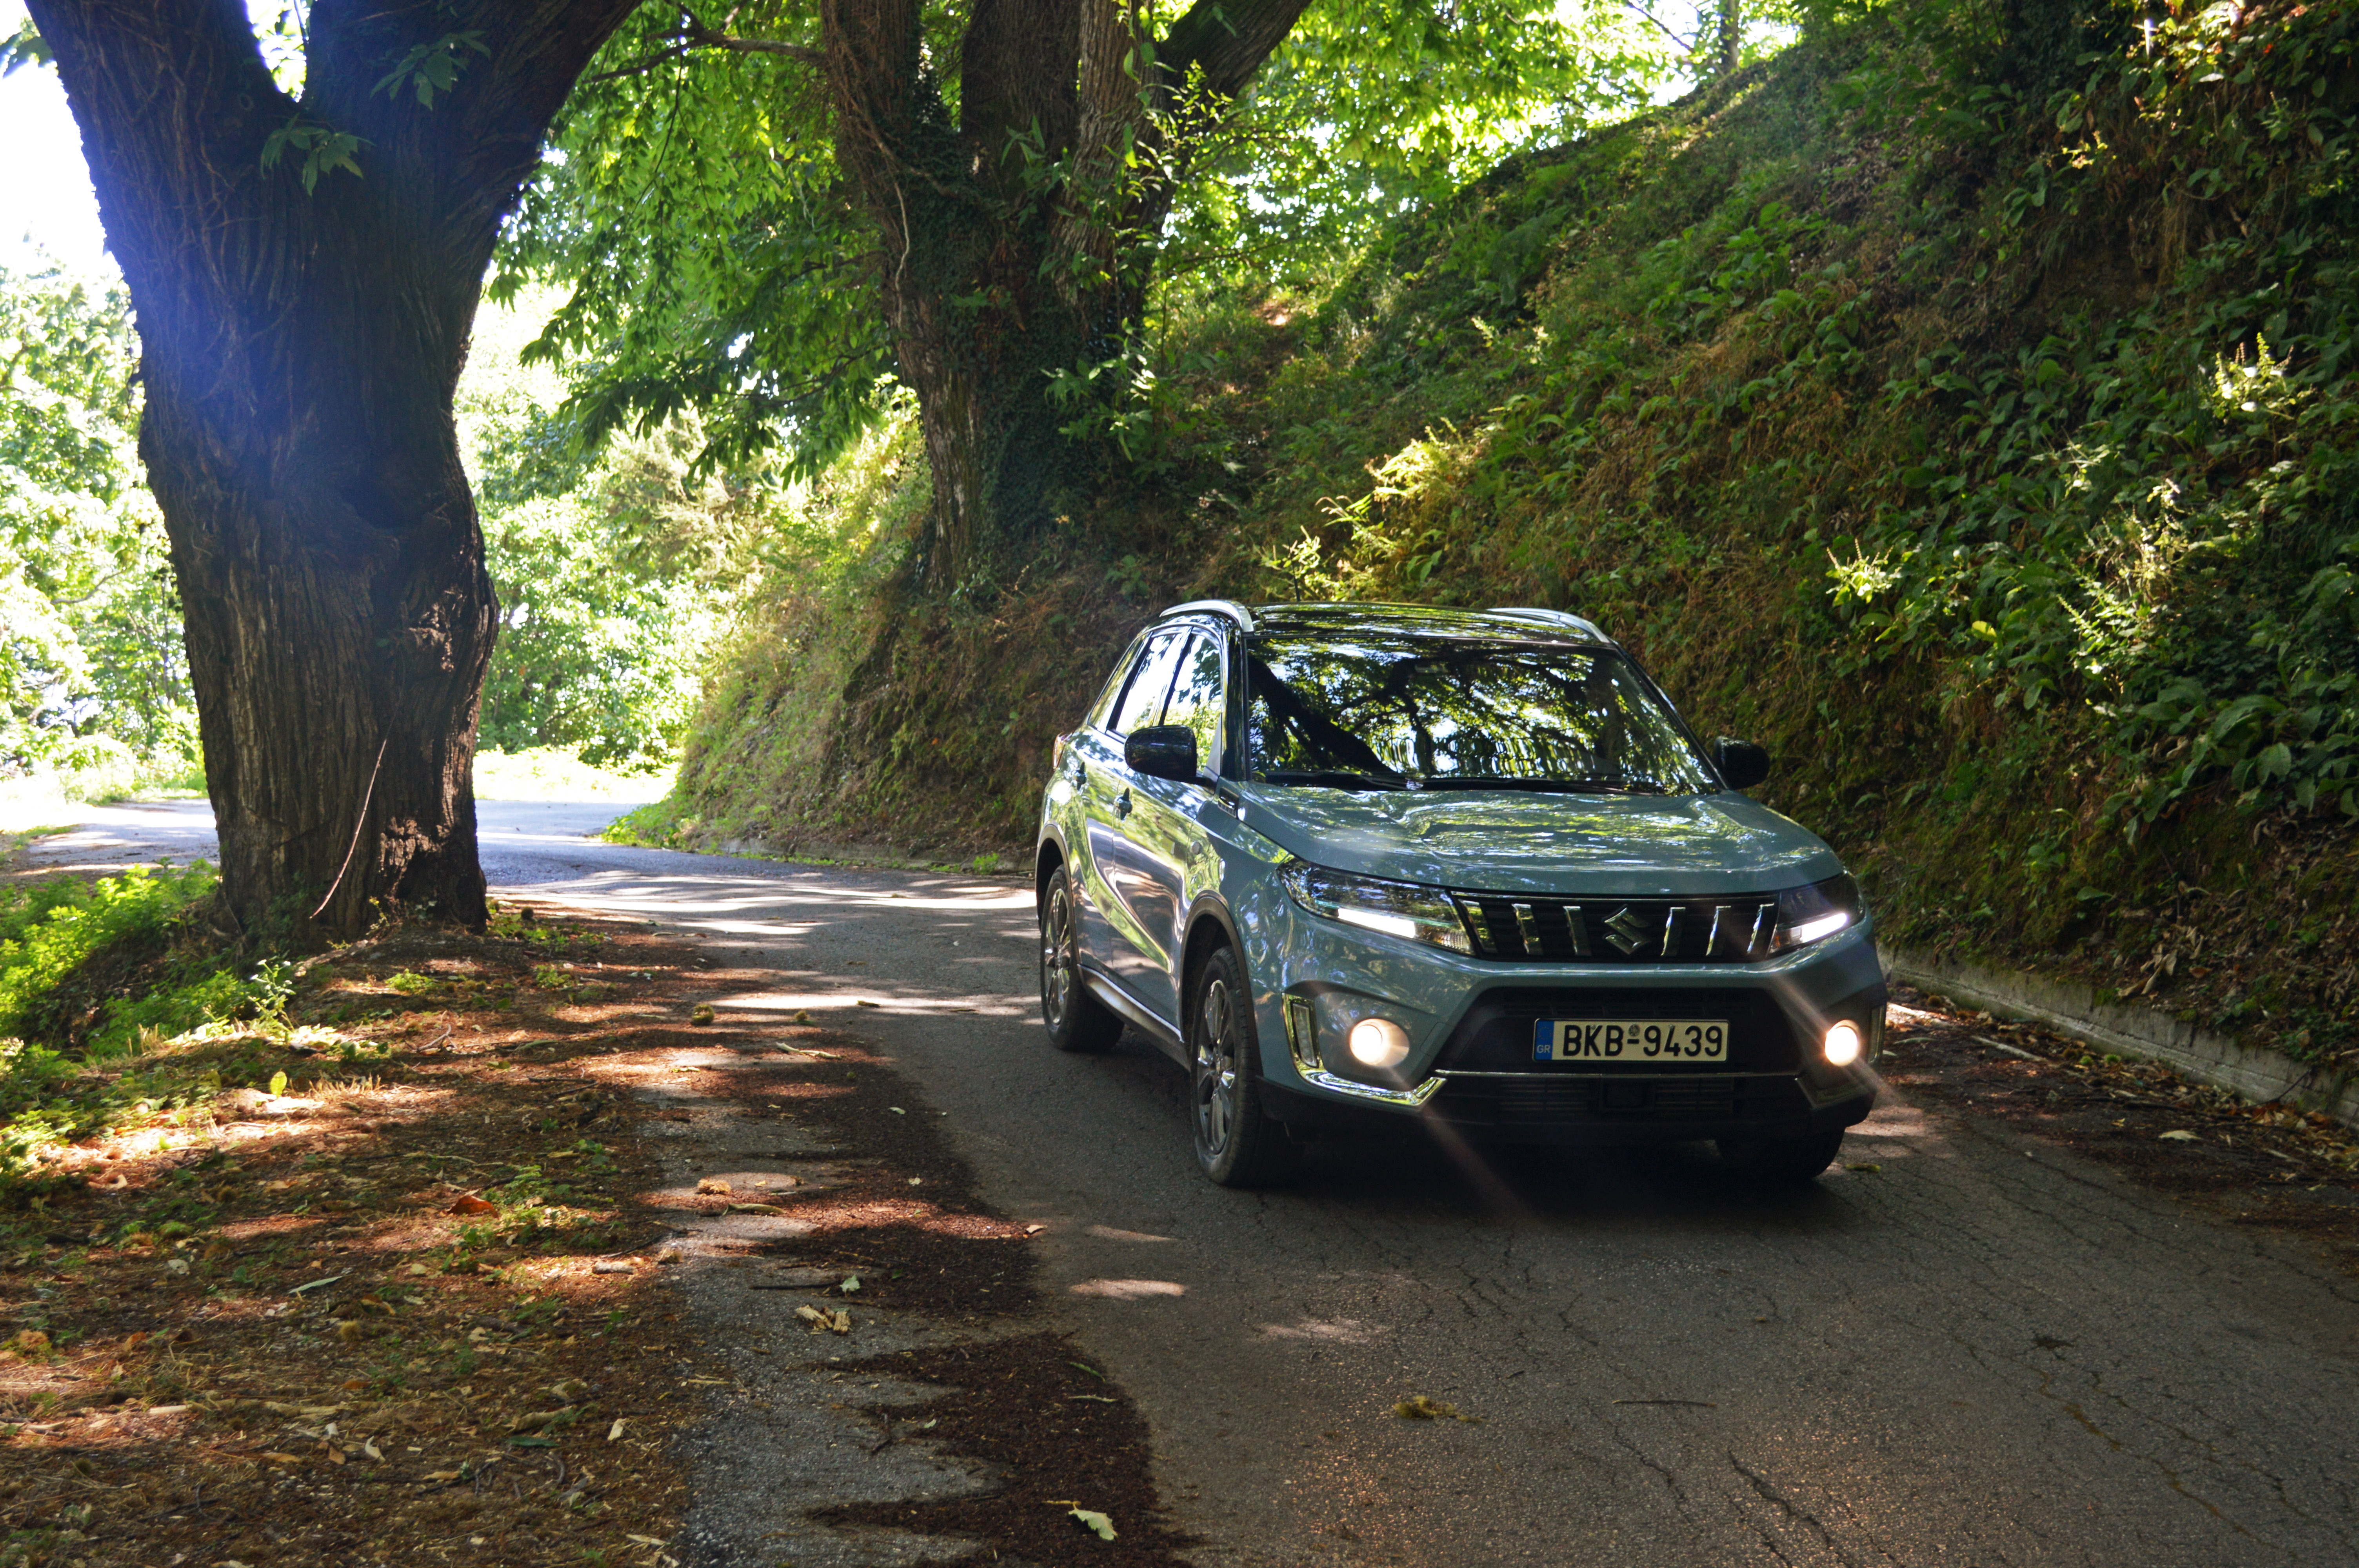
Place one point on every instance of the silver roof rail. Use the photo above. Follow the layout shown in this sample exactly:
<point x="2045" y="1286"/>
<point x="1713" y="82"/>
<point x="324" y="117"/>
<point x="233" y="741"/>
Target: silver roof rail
<point x="1228" y="607"/>
<point x="1559" y="618"/>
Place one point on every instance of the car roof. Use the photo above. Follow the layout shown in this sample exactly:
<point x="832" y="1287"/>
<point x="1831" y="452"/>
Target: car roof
<point x="1410" y="620"/>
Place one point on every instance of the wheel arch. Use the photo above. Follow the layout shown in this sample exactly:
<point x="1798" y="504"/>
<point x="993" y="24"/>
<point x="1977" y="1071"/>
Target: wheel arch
<point x="1210" y="926"/>
<point x="1046" y="862"/>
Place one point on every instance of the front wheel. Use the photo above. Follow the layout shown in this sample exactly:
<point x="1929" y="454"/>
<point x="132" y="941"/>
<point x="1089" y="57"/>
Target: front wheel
<point x="1781" y="1161"/>
<point x="1238" y="1143"/>
<point x="1077" y="1020"/>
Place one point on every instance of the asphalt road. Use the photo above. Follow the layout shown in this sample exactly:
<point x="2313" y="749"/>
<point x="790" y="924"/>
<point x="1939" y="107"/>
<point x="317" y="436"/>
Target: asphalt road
<point x="1987" y="1352"/>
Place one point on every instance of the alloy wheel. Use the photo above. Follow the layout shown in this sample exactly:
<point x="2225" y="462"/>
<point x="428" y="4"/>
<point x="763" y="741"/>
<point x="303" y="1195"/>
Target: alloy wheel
<point x="1060" y="957"/>
<point x="1216" y="1067"/>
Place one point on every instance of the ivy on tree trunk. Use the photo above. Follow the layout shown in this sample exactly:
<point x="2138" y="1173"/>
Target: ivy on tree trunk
<point x="1016" y="243"/>
<point x="305" y="273"/>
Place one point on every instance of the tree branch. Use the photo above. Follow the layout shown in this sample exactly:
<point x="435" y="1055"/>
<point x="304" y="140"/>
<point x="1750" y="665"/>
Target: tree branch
<point x="1659" y="24"/>
<point x="1227" y="42"/>
<point x="697" y="34"/>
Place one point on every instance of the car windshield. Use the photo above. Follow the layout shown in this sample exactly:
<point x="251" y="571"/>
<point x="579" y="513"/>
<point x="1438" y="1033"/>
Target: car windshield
<point x="1379" y="710"/>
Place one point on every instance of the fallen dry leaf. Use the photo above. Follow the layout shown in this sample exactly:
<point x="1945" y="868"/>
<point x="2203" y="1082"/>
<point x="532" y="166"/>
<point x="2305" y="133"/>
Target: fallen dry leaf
<point x="713" y="1185"/>
<point x="468" y="1203"/>
<point x="1094" y="1521"/>
<point x="1418" y="1407"/>
<point x="2178" y="1135"/>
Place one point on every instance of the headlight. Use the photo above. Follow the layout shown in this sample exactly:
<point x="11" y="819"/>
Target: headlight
<point x="1396" y="909"/>
<point x="1816" y="913"/>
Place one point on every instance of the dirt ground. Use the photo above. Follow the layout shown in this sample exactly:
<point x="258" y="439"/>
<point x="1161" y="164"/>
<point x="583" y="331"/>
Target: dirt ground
<point x="403" y="1302"/>
<point x="2274" y="1167"/>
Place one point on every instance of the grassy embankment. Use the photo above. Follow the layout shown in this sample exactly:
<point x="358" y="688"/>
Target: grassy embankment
<point x="1989" y="456"/>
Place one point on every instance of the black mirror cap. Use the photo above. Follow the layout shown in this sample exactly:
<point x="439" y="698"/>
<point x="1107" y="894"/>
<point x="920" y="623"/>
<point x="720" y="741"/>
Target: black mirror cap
<point x="1742" y="764"/>
<point x="1162" y="751"/>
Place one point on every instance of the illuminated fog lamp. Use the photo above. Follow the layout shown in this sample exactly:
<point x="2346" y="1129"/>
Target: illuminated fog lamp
<point x="1378" y="1042"/>
<point x="1843" y="1043"/>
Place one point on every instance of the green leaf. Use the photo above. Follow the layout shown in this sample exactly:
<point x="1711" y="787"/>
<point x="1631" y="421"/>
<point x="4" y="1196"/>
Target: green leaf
<point x="25" y="47"/>
<point x="431" y="68"/>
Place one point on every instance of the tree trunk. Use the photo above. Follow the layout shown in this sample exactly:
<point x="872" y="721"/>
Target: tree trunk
<point x="340" y="620"/>
<point x="1732" y="35"/>
<point x="993" y="278"/>
<point x="302" y="327"/>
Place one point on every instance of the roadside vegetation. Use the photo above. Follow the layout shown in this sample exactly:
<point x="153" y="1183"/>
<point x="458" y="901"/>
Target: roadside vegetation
<point x="300" y="1264"/>
<point x="616" y="575"/>
<point x="1968" y="417"/>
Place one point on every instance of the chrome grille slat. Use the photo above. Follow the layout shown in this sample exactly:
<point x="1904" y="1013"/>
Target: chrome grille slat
<point x="1618" y="931"/>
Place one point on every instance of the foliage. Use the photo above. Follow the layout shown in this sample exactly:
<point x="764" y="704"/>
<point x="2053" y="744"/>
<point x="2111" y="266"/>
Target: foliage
<point x="1990" y="459"/>
<point x="613" y="575"/>
<point x="92" y="666"/>
<point x="51" y="930"/>
<point x="100" y="973"/>
<point x="716" y="262"/>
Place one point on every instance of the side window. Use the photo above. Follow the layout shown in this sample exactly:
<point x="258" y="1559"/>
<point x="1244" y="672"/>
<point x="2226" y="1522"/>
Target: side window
<point x="1142" y="703"/>
<point x="1199" y="700"/>
<point x="1103" y="708"/>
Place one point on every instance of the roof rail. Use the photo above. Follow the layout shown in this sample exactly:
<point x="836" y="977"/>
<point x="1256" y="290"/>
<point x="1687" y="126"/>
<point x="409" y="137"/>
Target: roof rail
<point x="1228" y="607"/>
<point x="1559" y="618"/>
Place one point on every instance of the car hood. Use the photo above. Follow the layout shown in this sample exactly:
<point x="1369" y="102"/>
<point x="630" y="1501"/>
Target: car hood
<point x="1608" y="846"/>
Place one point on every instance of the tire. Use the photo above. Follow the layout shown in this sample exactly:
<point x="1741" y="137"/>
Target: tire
<point x="1077" y="1020"/>
<point x="1781" y="1161"/>
<point x="1238" y="1143"/>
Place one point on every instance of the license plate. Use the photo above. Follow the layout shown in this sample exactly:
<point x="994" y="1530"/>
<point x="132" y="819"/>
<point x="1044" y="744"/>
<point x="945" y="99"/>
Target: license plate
<point x="1631" y="1040"/>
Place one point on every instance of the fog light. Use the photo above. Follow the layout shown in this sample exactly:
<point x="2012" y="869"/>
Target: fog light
<point x="1379" y="1043"/>
<point x="1843" y="1043"/>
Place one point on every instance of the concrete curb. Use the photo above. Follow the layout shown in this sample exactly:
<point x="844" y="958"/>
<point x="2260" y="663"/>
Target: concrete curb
<point x="2255" y="1072"/>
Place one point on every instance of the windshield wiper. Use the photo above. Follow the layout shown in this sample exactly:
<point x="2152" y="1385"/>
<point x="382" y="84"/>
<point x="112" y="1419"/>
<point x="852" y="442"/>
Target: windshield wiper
<point x="1334" y="778"/>
<point x="1544" y="785"/>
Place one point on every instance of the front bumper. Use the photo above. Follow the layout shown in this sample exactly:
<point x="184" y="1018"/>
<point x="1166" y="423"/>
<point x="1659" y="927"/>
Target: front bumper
<point x="1469" y="1068"/>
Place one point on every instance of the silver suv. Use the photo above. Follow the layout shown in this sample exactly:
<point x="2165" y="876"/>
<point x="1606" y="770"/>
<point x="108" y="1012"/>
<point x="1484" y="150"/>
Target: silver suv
<point x="1355" y="861"/>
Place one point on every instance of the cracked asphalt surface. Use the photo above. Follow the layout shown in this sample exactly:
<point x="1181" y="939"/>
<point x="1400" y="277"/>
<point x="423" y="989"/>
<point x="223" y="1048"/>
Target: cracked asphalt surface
<point x="1987" y="1351"/>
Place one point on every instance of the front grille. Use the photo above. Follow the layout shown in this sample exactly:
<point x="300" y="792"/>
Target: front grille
<point x="1619" y="931"/>
<point x="1495" y="1035"/>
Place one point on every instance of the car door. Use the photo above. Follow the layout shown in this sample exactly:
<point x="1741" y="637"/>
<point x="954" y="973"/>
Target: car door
<point x="1110" y="929"/>
<point x="1162" y="834"/>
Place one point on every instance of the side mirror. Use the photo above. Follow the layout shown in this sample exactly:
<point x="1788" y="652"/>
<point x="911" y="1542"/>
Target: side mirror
<point x="1162" y="751"/>
<point x="1742" y="764"/>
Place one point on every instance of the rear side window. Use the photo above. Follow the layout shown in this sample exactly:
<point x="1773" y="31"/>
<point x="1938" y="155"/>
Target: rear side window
<point x="1200" y="700"/>
<point x="1101" y="710"/>
<point x="1142" y="701"/>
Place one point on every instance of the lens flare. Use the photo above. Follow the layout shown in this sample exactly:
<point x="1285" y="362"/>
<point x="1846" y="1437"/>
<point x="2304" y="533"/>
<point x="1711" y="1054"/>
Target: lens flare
<point x="1378" y="1042"/>
<point x="1843" y="1043"/>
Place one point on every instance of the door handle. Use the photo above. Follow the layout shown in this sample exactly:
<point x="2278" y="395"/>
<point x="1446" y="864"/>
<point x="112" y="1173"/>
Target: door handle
<point x="1122" y="804"/>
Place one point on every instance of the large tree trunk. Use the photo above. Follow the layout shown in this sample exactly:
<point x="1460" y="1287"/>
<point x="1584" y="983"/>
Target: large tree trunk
<point x="994" y="280"/>
<point x="339" y="618"/>
<point x="302" y="331"/>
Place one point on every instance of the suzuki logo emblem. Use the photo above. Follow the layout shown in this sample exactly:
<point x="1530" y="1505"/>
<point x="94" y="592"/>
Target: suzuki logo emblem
<point x="1626" y="930"/>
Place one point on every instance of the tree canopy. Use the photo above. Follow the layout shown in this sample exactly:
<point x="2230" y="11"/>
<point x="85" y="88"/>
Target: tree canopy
<point x="745" y="237"/>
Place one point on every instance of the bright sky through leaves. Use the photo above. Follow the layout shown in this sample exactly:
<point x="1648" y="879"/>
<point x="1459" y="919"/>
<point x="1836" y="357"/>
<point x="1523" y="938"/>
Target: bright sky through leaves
<point x="45" y="196"/>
